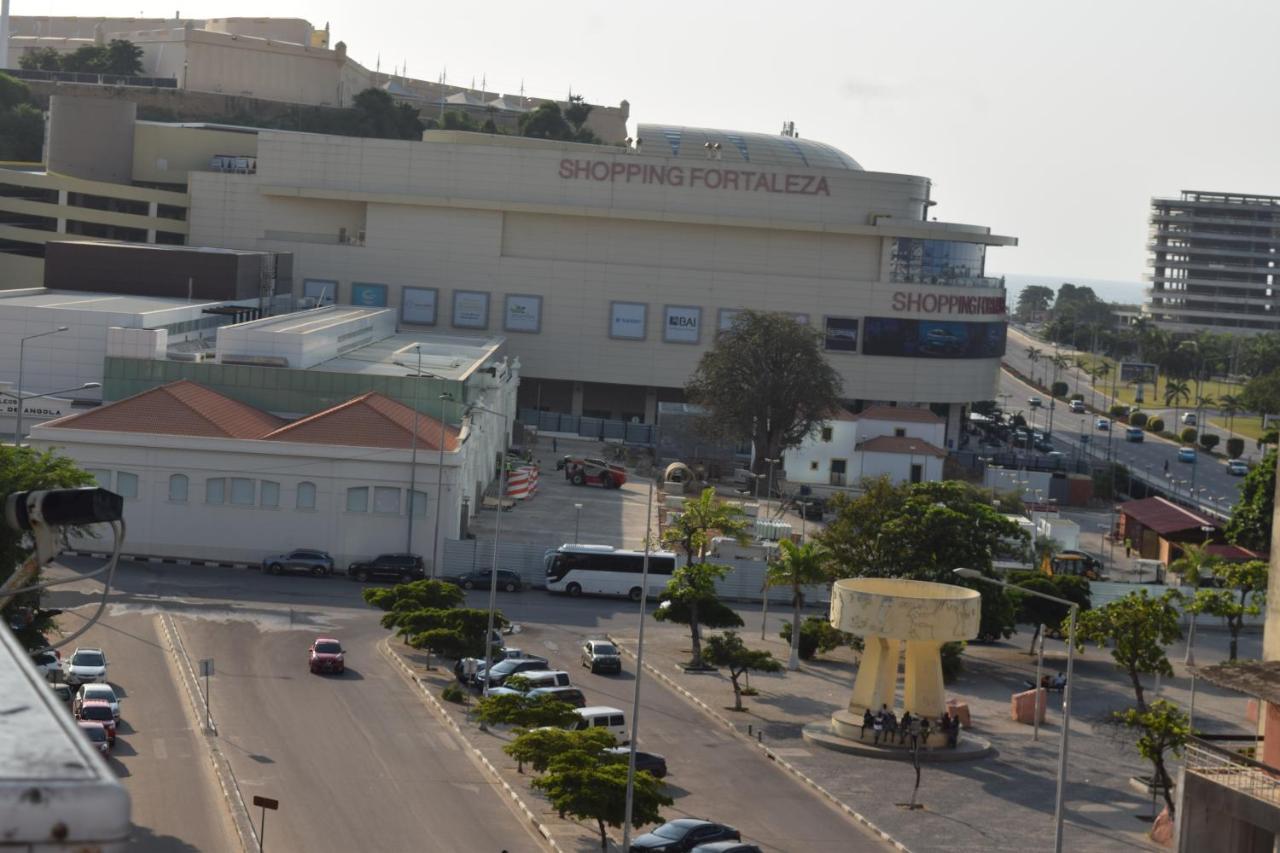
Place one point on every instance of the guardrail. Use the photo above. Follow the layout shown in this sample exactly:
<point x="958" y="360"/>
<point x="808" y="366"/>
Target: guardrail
<point x="1233" y="771"/>
<point x="92" y="79"/>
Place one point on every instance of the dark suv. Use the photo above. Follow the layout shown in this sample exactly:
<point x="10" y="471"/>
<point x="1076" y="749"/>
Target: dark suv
<point x="479" y="579"/>
<point x="399" y="567"/>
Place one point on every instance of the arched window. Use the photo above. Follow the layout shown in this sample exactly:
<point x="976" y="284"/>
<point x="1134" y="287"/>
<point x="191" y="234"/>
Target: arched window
<point x="178" y="488"/>
<point x="306" y="495"/>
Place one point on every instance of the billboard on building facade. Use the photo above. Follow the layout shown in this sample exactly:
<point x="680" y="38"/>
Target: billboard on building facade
<point x="418" y="305"/>
<point x="627" y="320"/>
<point x="682" y="324"/>
<point x="368" y="295"/>
<point x="896" y="337"/>
<point x="522" y="313"/>
<point x="470" y="309"/>
<point x="1137" y="371"/>
<point x="841" y="334"/>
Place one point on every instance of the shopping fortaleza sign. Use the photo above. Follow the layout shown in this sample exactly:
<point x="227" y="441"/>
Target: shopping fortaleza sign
<point x="948" y="303"/>
<point x="711" y="178"/>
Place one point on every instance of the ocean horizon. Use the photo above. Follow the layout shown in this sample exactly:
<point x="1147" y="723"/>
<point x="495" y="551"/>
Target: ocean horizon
<point x="1109" y="290"/>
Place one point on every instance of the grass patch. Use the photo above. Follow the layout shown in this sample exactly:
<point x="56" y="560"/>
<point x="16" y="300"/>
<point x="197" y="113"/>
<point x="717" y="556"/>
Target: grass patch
<point x="1247" y="426"/>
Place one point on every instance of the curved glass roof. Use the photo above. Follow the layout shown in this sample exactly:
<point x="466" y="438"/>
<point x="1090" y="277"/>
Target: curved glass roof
<point x="762" y="149"/>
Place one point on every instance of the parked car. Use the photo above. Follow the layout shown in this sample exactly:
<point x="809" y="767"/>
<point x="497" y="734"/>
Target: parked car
<point x="603" y="717"/>
<point x="681" y="836"/>
<point x="97" y="734"/>
<point x="98" y="693"/>
<point x="307" y="560"/>
<point x="1237" y="467"/>
<point x="502" y="670"/>
<point x="85" y="666"/>
<point x="466" y="669"/>
<point x="1134" y="434"/>
<point x="480" y="579"/>
<point x="569" y="695"/>
<point x="649" y="761"/>
<point x="99" y="712"/>
<point x="397" y="567"/>
<point x="726" y="847"/>
<point x="63" y="692"/>
<point x="1186" y="454"/>
<point x="1188" y="418"/>
<point x="47" y="661"/>
<point x="326" y="655"/>
<point x="1102" y="425"/>
<point x="1035" y="402"/>
<point x="1043" y="445"/>
<point x="601" y="656"/>
<point x="1077" y="407"/>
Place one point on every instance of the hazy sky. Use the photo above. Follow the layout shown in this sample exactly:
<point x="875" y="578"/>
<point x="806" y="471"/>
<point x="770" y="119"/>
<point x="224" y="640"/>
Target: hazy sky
<point x="1055" y="125"/>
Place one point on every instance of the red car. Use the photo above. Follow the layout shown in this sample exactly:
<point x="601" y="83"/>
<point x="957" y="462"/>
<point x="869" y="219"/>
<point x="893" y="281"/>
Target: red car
<point x="327" y="656"/>
<point x="594" y="472"/>
<point x="97" y="735"/>
<point x="96" y="711"/>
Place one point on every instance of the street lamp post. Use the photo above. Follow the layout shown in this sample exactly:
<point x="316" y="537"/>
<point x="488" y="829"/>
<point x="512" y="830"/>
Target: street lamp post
<point x="635" y="701"/>
<point x="23" y="398"/>
<point x="22" y="345"/>
<point x="435" y="544"/>
<point x="769" y="489"/>
<point x="1073" y="608"/>
<point x="577" y="522"/>
<point x="497" y="537"/>
<point x="413" y="457"/>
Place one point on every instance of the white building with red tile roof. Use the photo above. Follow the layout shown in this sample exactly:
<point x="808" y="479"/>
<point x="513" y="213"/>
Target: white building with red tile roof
<point x="208" y="477"/>
<point x="903" y="443"/>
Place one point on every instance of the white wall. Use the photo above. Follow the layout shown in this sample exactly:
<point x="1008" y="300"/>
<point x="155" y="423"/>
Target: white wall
<point x="800" y="461"/>
<point x="896" y="466"/>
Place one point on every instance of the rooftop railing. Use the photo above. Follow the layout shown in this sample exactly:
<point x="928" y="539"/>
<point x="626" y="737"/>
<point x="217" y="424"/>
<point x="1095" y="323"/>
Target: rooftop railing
<point x="1233" y="771"/>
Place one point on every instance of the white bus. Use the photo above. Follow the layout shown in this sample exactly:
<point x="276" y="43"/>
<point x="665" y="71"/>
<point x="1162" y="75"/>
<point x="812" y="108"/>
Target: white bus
<point x="605" y="570"/>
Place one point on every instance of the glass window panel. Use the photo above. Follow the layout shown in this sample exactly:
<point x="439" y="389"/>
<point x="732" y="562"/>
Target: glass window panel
<point x="215" y="491"/>
<point x="241" y="491"/>
<point x="419" y="504"/>
<point x="306" y="495"/>
<point x="102" y="475"/>
<point x="270" y="493"/>
<point x="178" y="488"/>
<point x="386" y="499"/>
<point x="126" y="484"/>
<point x="358" y="499"/>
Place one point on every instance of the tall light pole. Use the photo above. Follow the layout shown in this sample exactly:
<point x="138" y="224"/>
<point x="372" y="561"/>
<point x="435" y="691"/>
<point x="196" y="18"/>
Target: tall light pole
<point x="497" y="538"/>
<point x="635" y="700"/>
<point x="769" y="489"/>
<point x="435" y="545"/>
<point x="413" y="458"/>
<point x="1073" y="608"/>
<point x="22" y="342"/>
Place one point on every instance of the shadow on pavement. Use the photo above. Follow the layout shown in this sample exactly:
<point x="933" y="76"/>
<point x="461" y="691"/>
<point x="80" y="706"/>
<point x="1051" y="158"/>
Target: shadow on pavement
<point x="144" y="840"/>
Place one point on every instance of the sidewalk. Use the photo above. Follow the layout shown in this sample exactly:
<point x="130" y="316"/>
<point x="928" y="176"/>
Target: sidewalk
<point x="999" y="803"/>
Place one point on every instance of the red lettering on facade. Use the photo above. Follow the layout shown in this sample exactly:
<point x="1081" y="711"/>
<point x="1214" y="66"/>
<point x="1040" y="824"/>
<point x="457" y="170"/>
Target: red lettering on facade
<point x="600" y="170"/>
<point x="738" y="180"/>
<point x="949" y="303"/>
<point x="633" y="169"/>
<point x="715" y="178"/>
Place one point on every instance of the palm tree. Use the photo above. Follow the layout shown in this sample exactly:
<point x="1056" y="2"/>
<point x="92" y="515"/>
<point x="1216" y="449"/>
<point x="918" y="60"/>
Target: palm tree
<point x="1081" y="366"/>
<point x="1229" y="404"/>
<point x="1195" y="563"/>
<point x="1059" y="362"/>
<point x="1101" y="372"/>
<point x="1175" y="390"/>
<point x="1034" y="353"/>
<point x="1203" y="403"/>
<point x="799" y="566"/>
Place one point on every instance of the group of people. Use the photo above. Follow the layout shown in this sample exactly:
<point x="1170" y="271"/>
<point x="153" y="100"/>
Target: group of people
<point x="911" y="729"/>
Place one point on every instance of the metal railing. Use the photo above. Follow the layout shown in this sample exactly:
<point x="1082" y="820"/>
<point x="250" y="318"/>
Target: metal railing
<point x="92" y="78"/>
<point x="1233" y="771"/>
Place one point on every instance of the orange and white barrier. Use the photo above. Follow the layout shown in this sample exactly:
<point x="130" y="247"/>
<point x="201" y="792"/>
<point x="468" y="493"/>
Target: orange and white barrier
<point x="522" y="482"/>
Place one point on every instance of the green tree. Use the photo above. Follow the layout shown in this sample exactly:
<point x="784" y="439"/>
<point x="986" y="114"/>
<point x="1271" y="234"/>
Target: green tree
<point x="41" y="59"/>
<point x="798" y="566"/>
<point x="377" y="114"/>
<point x="765" y="379"/>
<point x="817" y="635"/>
<point x="416" y="595"/>
<point x="1242" y="592"/>
<point x="1034" y="354"/>
<point x="22" y="134"/>
<point x="548" y="121"/>
<point x="526" y="712"/>
<point x="23" y="469"/>
<point x="1251" y="517"/>
<point x="122" y="57"/>
<point x="1138" y="627"/>
<point x="539" y="747"/>
<point x="690" y="599"/>
<point x="1262" y="394"/>
<point x="576" y="113"/>
<point x="589" y="787"/>
<point x="728" y="650"/>
<point x="13" y="92"/>
<point x="1230" y="405"/>
<point x="1033" y="302"/>
<point x="1175" y="391"/>
<point x="700" y="520"/>
<point x="1163" y="729"/>
<point x="90" y="59"/>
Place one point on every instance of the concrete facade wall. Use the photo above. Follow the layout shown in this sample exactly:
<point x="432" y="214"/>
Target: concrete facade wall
<point x="165" y="153"/>
<point x="91" y="138"/>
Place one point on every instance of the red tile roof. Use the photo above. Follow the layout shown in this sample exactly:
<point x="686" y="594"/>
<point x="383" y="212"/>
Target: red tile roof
<point x="901" y="444"/>
<point x="178" y="408"/>
<point x="370" y="420"/>
<point x="910" y="414"/>
<point x="1163" y="517"/>
<point x="1233" y="553"/>
<point x="840" y="413"/>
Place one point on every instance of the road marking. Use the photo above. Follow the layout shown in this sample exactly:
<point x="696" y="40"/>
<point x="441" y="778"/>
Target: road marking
<point x="551" y="644"/>
<point x="158" y="748"/>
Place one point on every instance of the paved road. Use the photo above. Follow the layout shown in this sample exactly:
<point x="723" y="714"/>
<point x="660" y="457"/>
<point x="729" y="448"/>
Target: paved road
<point x="713" y="775"/>
<point x="358" y="762"/>
<point x="159" y="754"/>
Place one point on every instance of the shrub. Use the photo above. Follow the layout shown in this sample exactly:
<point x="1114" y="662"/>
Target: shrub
<point x="1188" y="435"/>
<point x="816" y="636"/>
<point x="951" y="661"/>
<point x="1077" y="396"/>
<point x="1156" y="425"/>
<point x="453" y="693"/>
<point x="1269" y="437"/>
<point x="1235" y="447"/>
<point x="1209" y="441"/>
<point x="1059" y="389"/>
<point x="1138" y="419"/>
<point x="1119" y="410"/>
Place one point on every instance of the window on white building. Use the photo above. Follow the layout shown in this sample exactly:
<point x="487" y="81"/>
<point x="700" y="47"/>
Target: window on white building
<point x="306" y="495"/>
<point x="917" y="472"/>
<point x="900" y="432"/>
<point x="242" y="491"/>
<point x="386" y="500"/>
<point x="126" y="484"/>
<point x="178" y="488"/>
<point x="358" y="499"/>
<point x="419" y="503"/>
<point x="813" y="466"/>
<point x="270" y="494"/>
<point x="102" y="475"/>
<point x="826" y="433"/>
<point x="215" y="491"/>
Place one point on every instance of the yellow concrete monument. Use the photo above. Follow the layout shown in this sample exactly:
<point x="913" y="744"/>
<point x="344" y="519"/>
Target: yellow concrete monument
<point x="887" y="612"/>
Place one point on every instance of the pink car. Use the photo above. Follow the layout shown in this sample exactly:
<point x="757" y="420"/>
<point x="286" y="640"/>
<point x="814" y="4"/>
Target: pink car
<point x="327" y="656"/>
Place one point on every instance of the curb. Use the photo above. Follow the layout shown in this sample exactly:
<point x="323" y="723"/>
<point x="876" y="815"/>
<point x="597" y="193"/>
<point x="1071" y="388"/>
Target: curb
<point x="781" y="762"/>
<point x="181" y="561"/>
<point x="384" y="646"/>
<point x="247" y="835"/>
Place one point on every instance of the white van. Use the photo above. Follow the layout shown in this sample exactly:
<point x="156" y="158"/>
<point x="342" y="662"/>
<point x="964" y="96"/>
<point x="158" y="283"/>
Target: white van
<point x="545" y="678"/>
<point x="604" y="717"/>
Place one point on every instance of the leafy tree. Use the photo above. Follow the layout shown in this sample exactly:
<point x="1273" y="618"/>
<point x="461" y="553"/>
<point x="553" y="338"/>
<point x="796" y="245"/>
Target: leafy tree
<point x="13" y="92"/>
<point x="1039" y="611"/>
<point x="1034" y="354"/>
<point x="1251" y="517"/>
<point x="377" y="114"/>
<point x="90" y="59"/>
<point x="1138" y="627"/>
<point x="1155" y="425"/>
<point x="1235" y="447"/>
<point x="416" y="595"/>
<point x="539" y="747"/>
<point x="1059" y="388"/>
<point x="765" y="378"/>
<point x="699" y="522"/>
<point x="22" y="133"/>
<point x="1242" y="592"/>
<point x="1033" y="302"/>
<point x="122" y="57"/>
<point x="1188" y="435"/>
<point x="583" y="785"/>
<point x="817" y="635"/>
<point x="23" y="469"/>
<point x="547" y="121"/>
<point x="1230" y="405"/>
<point x="1262" y="394"/>
<point x="525" y="712"/>
<point x="41" y="59"/>
<point x="728" y="650"/>
<point x="1138" y="419"/>
<point x="952" y="655"/>
<point x="1175" y="391"/>
<point x="1163" y="729"/>
<point x="454" y="633"/>
<point x="1209" y="441"/>
<point x="690" y="599"/>
<point x="798" y="566"/>
<point x="576" y="112"/>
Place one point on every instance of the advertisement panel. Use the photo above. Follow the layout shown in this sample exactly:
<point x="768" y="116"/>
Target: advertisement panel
<point x="470" y="309"/>
<point x="368" y="295"/>
<point x="418" y="305"/>
<point x="1137" y="371"/>
<point x="323" y="291"/>
<point x="727" y="316"/>
<point x="891" y="336"/>
<point x="841" y="334"/>
<point x="522" y="313"/>
<point x="682" y="324"/>
<point x="627" y="320"/>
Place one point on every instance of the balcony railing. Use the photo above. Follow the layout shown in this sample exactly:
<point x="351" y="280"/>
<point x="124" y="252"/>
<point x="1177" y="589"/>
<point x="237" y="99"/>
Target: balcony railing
<point x="1233" y="771"/>
<point x="989" y="282"/>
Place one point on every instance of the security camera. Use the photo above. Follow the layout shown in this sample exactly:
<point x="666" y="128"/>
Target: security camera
<point x="62" y="508"/>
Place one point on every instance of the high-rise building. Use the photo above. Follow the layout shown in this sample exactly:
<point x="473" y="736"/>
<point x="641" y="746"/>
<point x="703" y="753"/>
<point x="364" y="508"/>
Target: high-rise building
<point x="1214" y="260"/>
